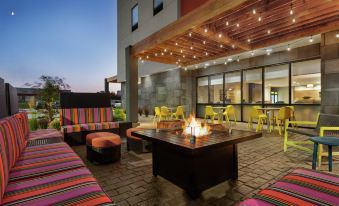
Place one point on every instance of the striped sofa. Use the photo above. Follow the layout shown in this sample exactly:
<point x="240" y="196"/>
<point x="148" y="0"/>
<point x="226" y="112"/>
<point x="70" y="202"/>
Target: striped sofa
<point x="44" y="173"/>
<point x="300" y="187"/>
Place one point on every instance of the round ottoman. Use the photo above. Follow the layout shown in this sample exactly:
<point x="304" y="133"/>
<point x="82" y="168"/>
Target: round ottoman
<point x="103" y="147"/>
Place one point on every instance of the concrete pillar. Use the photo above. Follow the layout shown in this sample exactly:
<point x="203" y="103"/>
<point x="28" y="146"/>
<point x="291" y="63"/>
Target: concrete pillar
<point x="106" y="86"/>
<point x="330" y="72"/>
<point x="131" y="86"/>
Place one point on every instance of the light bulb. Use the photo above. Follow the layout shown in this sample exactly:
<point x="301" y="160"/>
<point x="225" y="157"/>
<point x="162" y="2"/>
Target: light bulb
<point x="194" y="57"/>
<point x="147" y="57"/>
<point x="191" y="48"/>
<point x="248" y="40"/>
<point x="268" y="31"/>
<point x="142" y="61"/>
<point x="171" y="53"/>
<point x="220" y="35"/>
<point x="12" y="13"/>
<point x="165" y="50"/>
<point x="155" y="54"/>
<point x="291" y="12"/>
<point x="259" y="18"/>
<point x="227" y="23"/>
<point x="288" y="48"/>
<point x="206" y="30"/>
<point x="176" y="43"/>
<point x="162" y="53"/>
<point x="293" y="20"/>
<point x="238" y="25"/>
<point x="225" y="62"/>
<point x="238" y="59"/>
<point x="190" y="34"/>
<point x="181" y="51"/>
<point x="254" y="11"/>
<point x="206" y="53"/>
<point x="233" y="46"/>
<point x="311" y="39"/>
<point x="221" y="46"/>
<point x="337" y="35"/>
<point x="252" y="53"/>
<point x="204" y="42"/>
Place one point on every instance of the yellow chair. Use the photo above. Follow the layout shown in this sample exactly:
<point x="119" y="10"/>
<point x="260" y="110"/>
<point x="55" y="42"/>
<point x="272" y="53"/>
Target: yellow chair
<point x="230" y="111"/>
<point x="283" y="114"/>
<point x="292" y="118"/>
<point x="179" y="113"/>
<point x="259" y="115"/>
<point x="164" y="113"/>
<point x="157" y="114"/>
<point x="209" y="112"/>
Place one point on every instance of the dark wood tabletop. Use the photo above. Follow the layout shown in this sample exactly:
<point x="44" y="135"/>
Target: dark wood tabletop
<point x="213" y="140"/>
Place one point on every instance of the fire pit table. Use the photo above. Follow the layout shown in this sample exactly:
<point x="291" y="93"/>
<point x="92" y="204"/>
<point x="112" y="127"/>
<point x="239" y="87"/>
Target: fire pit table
<point x="195" y="165"/>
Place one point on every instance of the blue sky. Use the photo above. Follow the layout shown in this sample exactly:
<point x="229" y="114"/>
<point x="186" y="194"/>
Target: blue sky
<point x="74" y="39"/>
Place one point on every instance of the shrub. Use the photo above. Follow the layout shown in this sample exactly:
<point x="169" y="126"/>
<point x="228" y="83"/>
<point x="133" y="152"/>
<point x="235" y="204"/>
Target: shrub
<point x="55" y="124"/>
<point x="23" y="105"/>
<point x="43" y="123"/>
<point x="140" y="111"/>
<point x="119" y="115"/>
<point x="33" y="124"/>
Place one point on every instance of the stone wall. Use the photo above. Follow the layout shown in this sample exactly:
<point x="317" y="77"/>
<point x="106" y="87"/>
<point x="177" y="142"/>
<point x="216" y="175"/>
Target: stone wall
<point x="171" y="88"/>
<point x="330" y="72"/>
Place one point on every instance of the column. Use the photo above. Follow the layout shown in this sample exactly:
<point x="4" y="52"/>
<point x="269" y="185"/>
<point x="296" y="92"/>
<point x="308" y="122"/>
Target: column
<point x="131" y="86"/>
<point x="106" y="86"/>
<point x="330" y="72"/>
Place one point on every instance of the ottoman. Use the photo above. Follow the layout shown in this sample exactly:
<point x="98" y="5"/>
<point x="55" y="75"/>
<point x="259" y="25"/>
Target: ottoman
<point x="103" y="147"/>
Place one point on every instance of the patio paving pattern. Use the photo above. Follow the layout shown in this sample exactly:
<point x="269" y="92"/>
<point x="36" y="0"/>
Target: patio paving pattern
<point x="261" y="162"/>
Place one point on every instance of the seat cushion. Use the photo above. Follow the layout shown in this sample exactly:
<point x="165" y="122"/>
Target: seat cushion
<point x="300" y="187"/>
<point x="71" y="187"/>
<point x="45" y="134"/>
<point x="44" y="159"/>
<point x="89" y="127"/>
<point x="103" y="139"/>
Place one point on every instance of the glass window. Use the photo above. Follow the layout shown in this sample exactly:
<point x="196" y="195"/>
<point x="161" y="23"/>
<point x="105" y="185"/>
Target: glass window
<point x="216" y="89"/>
<point x="276" y="84"/>
<point x="233" y="88"/>
<point x="157" y="6"/>
<point x="202" y="90"/>
<point x="135" y="17"/>
<point x="252" y="86"/>
<point x="306" y="82"/>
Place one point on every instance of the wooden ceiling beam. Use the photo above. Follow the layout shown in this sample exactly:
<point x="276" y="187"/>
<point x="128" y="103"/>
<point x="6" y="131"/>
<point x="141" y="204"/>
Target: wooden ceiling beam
<point x="193" y="19"/>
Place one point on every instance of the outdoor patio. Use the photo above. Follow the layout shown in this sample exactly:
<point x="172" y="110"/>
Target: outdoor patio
<point x="261" y="162"/>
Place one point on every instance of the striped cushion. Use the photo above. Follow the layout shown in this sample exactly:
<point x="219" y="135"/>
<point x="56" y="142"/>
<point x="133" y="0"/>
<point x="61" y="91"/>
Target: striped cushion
<point x="35" y="166"/>
<point x="22" y="116"/>
<point x="300" y="187"/>
<point x="15" y="140"/>
<point x="75" y="116"/>
<point x="4" y="167"/>
<point x="90" y="127"/>
<point x="72" y="187"/>
<point x="45" y="134"/>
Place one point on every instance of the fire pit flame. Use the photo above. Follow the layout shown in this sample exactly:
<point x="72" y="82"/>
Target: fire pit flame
<point x="196" y="128"/>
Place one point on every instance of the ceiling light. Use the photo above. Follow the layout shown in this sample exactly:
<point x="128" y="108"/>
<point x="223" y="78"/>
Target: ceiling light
<point x="254" y="11"/>
<point x="181" y="51"/>
<point x="225" y="62"/>
<point x="311" y="39"/>
<point x="206" y="30"/>
<point x="183" y="56"/>
<point x="185" y="68"/>
<point x="142" y="61"/>
<point x="165" y="50"/>
<point x="179" y="60"/>
<point x="176" y="62"/>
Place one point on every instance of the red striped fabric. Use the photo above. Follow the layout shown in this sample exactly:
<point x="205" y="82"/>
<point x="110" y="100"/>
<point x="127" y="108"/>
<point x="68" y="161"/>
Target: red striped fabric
<point x="4" y="167"/>
<point x="76" y="116"/>
<point x="22" y="116"/>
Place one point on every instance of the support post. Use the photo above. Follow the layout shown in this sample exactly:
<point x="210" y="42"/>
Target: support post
<point x="106" y="86"/>
<point x="131" y="86"/>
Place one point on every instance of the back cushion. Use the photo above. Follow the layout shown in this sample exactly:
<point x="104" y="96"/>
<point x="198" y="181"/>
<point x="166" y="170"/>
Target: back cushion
<point x="22" y="116"/>
<point x="13" y="137"/>
<point x="85" y="115"/>
<point x="4" y="167"/>
<point x="106" y="114"/>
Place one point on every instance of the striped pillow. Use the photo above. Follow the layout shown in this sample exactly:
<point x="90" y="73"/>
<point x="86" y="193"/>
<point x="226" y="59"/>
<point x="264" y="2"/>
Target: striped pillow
<point x="76" y="116"/>
<point x="4" y="167"/>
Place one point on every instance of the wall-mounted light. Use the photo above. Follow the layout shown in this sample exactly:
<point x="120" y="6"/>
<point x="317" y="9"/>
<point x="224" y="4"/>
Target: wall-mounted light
<point x="310" y="86"/>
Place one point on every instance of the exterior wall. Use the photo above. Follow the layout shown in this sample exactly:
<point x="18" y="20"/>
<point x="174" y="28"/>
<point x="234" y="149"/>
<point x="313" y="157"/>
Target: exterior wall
<point x="187" y="6"/>
<point x="147" y="25"/>
<point x="330" y="73"/>
<point x="171" y="88"/>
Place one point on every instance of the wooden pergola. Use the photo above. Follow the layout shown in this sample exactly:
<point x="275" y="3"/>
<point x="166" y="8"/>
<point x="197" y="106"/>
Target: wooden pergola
<point x="221" y="28"/>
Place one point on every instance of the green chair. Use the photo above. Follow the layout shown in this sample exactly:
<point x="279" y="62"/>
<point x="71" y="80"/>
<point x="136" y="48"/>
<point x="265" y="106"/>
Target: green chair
<point x="209" y="113"/>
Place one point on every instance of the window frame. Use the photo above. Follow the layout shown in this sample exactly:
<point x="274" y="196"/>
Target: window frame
<point x="134" y="26"/>
<point x="159" y="8"/>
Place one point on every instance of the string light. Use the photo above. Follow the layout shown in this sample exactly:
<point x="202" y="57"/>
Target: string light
<point x="238" y="25"/>
<point x="337" y="35"/>
<point x="171" y="53"/>
<point x="288" y="48"/>
<point x="225" y="62"/>
<point x="259" y="18"/>
<point x="165" y="50"/>
<point x="194" y="57"/>
<point x="293" y="20"/>
<point x="233" y="46"/>
<point x="206" y="30"/>
<point x="162" y="54"/>
<point x="204" y="42"/>
<point x="268" y="31"/>
<point x="176" y="43"/>
<point x="220" y="35"/>
<point x="311" y="39"/>
<point x="147" y="57"/>
<point x="227" y="23"/>
<point x="155" y="54"/>
<point x="254" y="11"/>
<point x="191" y="48"/>
<point x="238" y="59"/>
<point x="190" y="34"/>
<point x="248" y="40"/>
<point x="221" y="46"/>
<point x="252" y="53"/>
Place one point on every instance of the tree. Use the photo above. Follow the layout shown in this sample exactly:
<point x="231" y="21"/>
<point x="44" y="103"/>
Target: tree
<point x="49" y="93"/>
